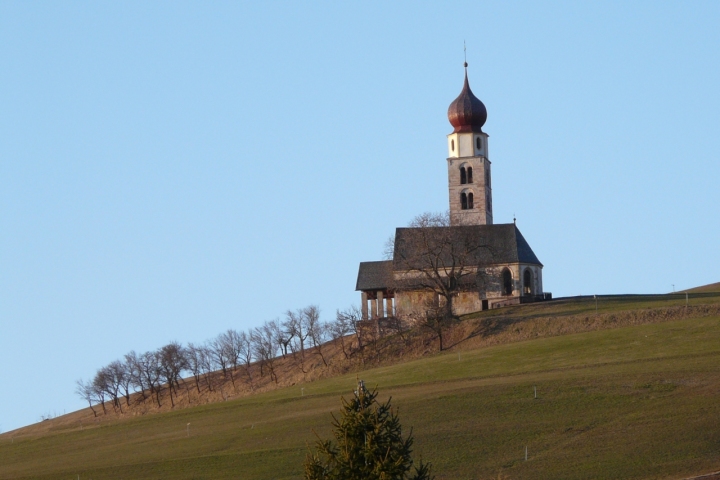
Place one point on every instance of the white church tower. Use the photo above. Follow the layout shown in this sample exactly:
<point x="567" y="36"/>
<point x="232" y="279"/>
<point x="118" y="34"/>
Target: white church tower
<point x="469" y="178"/>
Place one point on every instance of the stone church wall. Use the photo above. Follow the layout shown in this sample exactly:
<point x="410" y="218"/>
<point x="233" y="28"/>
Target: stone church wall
<point x="414" y="303"/>
<point x="467" y="302"/>
<point x="489" y="286"/>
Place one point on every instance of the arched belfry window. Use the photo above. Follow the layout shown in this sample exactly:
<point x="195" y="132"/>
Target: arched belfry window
<point x="469" y="175"/>
<point x="470" y="201"/>
<point x="527" y="282"/>
<point x="463" y="176"/>
<point x="463" y="201"/>
<point x="507" y="282"/>
<point x="487" y="177"/>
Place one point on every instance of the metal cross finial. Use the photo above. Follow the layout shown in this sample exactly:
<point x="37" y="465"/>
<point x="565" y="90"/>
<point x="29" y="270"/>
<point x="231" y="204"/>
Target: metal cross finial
<point x="465" y="52"/>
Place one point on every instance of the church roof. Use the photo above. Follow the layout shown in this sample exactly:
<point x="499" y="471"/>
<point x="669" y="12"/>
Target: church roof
<point x="467" y="113"/>
<point x="374" y="275"/>
<point x="472" y="245"/>
<point x="476" y="245"/>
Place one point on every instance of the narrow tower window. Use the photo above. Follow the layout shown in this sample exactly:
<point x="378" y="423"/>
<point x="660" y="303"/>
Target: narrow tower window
<point x="463" y="201"/>
<point x="452" y="145"/>
<point x="463" y="176"/>
<point x="527" y="282"/>
<point x="487" y="177"/>
<point x="478" y="142"/>
<point x="470" y="200"/>
<point x="469" y="175"/>
<point x="507" y="282"/>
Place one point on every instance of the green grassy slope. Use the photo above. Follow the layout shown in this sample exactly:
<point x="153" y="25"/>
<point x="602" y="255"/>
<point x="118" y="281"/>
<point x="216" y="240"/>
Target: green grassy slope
<point x="633" y="402"/>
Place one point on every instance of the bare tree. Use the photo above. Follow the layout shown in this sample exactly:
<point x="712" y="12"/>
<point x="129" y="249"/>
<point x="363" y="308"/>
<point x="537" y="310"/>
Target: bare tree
<point x="276" y="331"/>
<point x="283" y="336"/>
<point x="122" y="378"/>
<point x="233" y="344"/>
<point x="106" y="382"/>
<point x="100" y="388"/>
<point x="149" y="365"/>
<point x="435" y="319"/>
<point x="222" y="353"/>
<point x="194" y="355"/>
<point x="264" y="348"/>
<point x="258" y="351"/>
<point x="354" y="318"/>
<point x="206" y="359"/>
<point x="246" y="354"/>
<point x="289" y="331"/>
<point x="398" y="325"/>
<point x="86" y="391"/>
<point x="172" y="362"/>
<point x="295" y="322"/>
<point x="317" y="331"/>
<point x="441" y="259"/>
<point x="135" y="373"/>
<point x="231" y="338"/>
<point x="340" y="328"/>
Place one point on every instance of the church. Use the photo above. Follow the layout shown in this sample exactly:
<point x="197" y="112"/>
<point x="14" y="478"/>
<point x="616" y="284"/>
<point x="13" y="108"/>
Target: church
<point x="463" y="258"/>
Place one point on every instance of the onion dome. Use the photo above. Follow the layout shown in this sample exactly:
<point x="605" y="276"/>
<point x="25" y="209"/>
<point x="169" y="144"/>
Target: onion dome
<point x="467" y="113"/>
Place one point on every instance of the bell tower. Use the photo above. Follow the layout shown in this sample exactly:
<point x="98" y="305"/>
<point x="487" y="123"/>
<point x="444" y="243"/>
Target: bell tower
<point x="469" y="178"/>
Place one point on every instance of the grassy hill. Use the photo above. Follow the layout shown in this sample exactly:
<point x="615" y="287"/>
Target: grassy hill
<point x="712" y="287"/>
<point x="636" y="401"/>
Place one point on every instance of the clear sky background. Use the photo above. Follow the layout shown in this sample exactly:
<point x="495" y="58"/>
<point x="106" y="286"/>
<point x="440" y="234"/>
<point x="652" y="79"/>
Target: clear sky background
<point x="169" y="170"/>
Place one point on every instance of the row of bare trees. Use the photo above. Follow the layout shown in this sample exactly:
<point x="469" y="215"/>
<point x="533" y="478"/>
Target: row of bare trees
<point x="152" y="374"/>
<point x="434" y="256"/>
<point x="301" y="340"/>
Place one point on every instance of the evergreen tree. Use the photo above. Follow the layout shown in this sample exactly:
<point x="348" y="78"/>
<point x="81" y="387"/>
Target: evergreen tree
<point x="368" y="445"/>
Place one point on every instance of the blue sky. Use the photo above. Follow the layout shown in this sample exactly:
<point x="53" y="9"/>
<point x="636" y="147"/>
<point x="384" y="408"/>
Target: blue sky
<point x="169" y="170"/>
